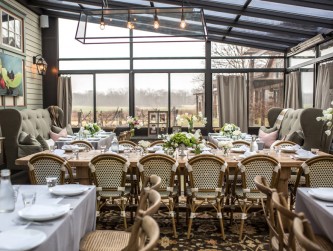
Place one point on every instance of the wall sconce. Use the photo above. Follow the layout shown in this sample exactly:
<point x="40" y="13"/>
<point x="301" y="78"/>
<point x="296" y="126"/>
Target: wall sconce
<point x="41" y="64"/>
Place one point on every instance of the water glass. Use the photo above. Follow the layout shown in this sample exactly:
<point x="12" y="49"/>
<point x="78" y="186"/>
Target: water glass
<point x="103" y="148"/>
<point x="16" y="191"/>
<point x="314" y="150"/>
<point x="51" y="181"/>
<point x="28" y="198"/>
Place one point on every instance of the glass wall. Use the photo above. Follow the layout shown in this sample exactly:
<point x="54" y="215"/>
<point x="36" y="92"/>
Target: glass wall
<point x="265" y="92"/>
<point x="83" y="99"/>
<point x="187" y="95"/>
<point x="151" y="94"/>
<point x="167" y="77"/>
<point x="112" y="99"/>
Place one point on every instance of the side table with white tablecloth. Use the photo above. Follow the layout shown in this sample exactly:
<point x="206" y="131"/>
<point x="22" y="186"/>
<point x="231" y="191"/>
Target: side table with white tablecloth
<point x="318" y="212"/>
<point x="64" y="233"/>
<point x="97" y="142"/>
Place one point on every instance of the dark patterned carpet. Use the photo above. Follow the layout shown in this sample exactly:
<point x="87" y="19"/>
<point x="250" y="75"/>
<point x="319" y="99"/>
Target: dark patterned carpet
<point x="205" y="234"/>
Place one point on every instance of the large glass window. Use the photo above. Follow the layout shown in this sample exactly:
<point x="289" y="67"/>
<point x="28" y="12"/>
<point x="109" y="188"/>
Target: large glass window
<point x="265" y="92"/>
<point x="187" y="95"/>
<point x="112" y="99"/>
<point x="151" y="94"/>
<point x="11" y="31"/>
<point x="83" y="99"/>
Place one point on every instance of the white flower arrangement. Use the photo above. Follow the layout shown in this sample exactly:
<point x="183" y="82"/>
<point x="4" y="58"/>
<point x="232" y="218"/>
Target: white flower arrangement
<point x="225" y="144"/>
<point x="190" y="118"/>
<point x="229" y="129"/>
<point x="144" y="144"/>
<point x="237" y="133"/>
<point x="328" y="119"/>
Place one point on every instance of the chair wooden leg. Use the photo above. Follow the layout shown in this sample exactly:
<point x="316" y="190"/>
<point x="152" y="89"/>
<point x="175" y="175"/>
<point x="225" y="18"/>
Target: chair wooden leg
<point x="123" y="212"/>
<point x="172" y="214"/>
<point x="241" y="230"/>
<point x="189" y="228"/>
<point x="220" y="216"/>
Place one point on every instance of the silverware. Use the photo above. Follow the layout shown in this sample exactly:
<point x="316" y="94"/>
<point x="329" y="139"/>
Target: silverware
<point x="329" y="205"/>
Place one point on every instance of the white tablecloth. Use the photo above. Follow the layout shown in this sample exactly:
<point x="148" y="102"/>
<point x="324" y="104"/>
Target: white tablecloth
<point x="96" y="142"/>
<point x="65" y="232"/>
<point x="316" y="211"/>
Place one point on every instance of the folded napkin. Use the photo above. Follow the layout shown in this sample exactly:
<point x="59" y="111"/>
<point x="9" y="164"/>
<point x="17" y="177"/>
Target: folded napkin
<point x="156" y="148"/>
<point x="59" y="152"/>
<point x="206" y="149"/>
<point x="244" y="148"/>
<point x="304" y="153"/>
<point x="160" y="151"/>
<point x="247" y="154"/>
<point x="69" y="147"/>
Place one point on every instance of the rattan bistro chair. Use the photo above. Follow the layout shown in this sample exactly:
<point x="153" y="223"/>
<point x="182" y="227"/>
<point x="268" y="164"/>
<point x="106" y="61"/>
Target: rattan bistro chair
<point x="239" y="143"/>
<point x="104" y="240"/>
<point x="82" y="143"/>
<point x="128" y="143"/>
<point x="157" y="143"/>
<point x="318" y="172"/>
<point x="44" y="164"/>
<point x="165" y="167"/>
<point x="248" y="196"/>
<point x="206" y="173"/>
<point x="108" y="173"/>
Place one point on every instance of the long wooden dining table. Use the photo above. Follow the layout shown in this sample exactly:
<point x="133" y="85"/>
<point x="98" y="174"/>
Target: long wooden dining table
<point x="287" y="161"/>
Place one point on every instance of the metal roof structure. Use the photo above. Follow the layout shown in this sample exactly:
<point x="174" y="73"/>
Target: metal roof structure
<point x="274" y="25"/>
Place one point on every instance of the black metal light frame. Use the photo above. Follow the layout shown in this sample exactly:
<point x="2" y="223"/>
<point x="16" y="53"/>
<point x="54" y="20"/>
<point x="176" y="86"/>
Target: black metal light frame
<point x="143" y="20"/>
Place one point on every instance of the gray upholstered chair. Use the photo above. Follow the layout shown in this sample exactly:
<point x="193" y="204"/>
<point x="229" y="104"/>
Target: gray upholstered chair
<point x="302" y="121"/>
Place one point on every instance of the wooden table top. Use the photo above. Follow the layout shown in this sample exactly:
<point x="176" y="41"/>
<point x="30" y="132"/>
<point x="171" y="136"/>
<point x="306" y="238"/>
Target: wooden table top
<point x="285" y="159"/>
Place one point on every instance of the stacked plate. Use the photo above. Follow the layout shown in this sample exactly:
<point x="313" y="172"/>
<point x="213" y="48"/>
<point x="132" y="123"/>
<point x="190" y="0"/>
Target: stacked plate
<point x="322" y="193"/>
<point x="68" y="190"/>
<point x="21" y="239"/>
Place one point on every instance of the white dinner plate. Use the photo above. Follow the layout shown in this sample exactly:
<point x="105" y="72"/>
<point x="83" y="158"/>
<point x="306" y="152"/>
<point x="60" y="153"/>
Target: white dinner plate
<point x="81" y="148"/>
<point x="21" y="239"/>
<point x="322" y="193"/>
<point x="40" y="212"/>
<point x="237" y="150"/>
<point x="68" y="190"/>
<point x="152" y="149"/>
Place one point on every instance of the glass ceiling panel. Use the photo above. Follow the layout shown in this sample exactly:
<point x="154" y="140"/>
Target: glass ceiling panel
<point x="236" y="2"/>
<point x="219" y="14"/>
<point x="221" y="27"/>
<point x="250" y="42"/>
<point x="141" y="2"/>
<point x="63" y="2"/>
<point x="292" y="9"/>
<point x="296" y="38"/>
<point x="306" y="28"/>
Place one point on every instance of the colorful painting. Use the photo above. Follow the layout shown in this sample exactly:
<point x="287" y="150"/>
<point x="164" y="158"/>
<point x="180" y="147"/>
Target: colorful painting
<point x="11" y="75"/>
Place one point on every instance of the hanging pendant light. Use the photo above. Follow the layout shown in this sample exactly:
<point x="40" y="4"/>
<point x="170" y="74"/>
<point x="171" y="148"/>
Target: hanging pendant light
<point x="182" y="19"/>
<point x="156" y="21"/>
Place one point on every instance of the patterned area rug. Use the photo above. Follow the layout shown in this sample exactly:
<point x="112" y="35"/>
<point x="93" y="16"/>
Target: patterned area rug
<point x="205" y="232"/>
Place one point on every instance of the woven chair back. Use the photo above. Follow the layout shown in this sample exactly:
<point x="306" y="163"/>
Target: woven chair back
<point x="43" y="165"/>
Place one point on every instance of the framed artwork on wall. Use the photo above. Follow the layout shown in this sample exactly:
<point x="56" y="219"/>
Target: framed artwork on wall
<point x="11" y="75"/>
<point x="157" y="122"/>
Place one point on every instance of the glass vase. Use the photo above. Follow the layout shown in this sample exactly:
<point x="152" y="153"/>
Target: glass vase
<point x="225" y="152"/>
<point x="132" y="130"/>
